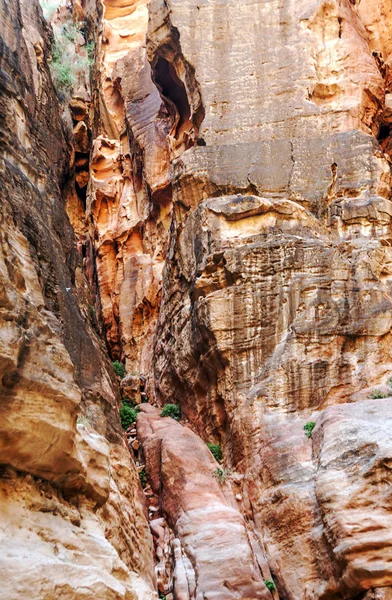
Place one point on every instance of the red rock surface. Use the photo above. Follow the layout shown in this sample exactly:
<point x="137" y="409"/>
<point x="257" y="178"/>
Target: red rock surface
<point x="228" y="183"/>
<point x="210" y="529"/>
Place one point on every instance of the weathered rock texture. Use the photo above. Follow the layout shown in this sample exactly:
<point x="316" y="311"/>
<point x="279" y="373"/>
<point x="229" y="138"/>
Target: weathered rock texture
<point x="72" y="516"/>
<point x="276" y="303"/>
<point x="130" y="188"/>
<point x="217" y="559"/>
<point x="237" y="226"/>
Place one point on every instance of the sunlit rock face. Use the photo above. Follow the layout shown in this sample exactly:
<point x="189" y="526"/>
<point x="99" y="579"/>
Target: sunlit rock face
<point x="72" y="519"/>
<point x="130" y="188"/>
<point x="276" y="304"/>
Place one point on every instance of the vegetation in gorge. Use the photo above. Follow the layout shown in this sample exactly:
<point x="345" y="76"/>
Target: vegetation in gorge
<point x="49" y="8"/>
<point x="270" y="585"/>
<point x="378" y="394"/>
<point x="221" y="474"/>
<point x="119" y="369"/>
<point x="128" y="415"/>
<point x="82" y="420"/>
<point x="216" y="451"/>
<point x="171" y="410"/>
<point x="308" y="428"/>
<point x="143" y="478"/>
<point x="71" y="57"/>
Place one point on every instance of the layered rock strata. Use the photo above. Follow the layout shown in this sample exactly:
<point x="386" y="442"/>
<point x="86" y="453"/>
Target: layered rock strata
<point x="73" y="521"/>
<point x="276" y="303"/>
<point x="237" y="225"/>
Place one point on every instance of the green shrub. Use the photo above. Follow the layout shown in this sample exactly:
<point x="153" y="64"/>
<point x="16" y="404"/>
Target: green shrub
<point x="90" y="49"/>
<point x="63" y="77"/>
<point x="308" y="428"/>
<point x="377" y="394"/>
<point x="128" y="416"/>
<point x="216" y="451"/>
<point x="221" y="474"/>
<point x="70" y="58"/>
<point x="171" y="410"/>
<point x="82" y="420"/>
<point x="270" y="585"/>
<point x="119" y="369"/>
<point x="129" y="402"/>
<point x="143" y="478"/>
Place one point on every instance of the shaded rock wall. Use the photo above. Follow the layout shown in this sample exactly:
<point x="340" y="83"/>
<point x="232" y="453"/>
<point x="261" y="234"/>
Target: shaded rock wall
<point x="72" y="514"/>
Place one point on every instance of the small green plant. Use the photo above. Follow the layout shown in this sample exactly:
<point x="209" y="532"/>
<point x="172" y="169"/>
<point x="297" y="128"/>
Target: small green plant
<point x="171" y="410"/>
<point x="216" y="451"/>
<point x="119" y="369"/>
<point x="308" y="428"/>
<point x="63" y="77"/>
<point x="377" y="394"/>
<point x="90" y="49"/>
<point x="270" y="585"/>
<point x="129" y="402"/>
<point x="128" y="416"/>
<point x="221" y="474"/>
<point x="82" y="420"/>
<point x="143" y="478"/>
<point x="71" y="58"/>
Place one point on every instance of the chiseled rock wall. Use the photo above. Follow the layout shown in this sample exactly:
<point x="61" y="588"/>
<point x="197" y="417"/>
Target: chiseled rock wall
<point x="72" y="518"/>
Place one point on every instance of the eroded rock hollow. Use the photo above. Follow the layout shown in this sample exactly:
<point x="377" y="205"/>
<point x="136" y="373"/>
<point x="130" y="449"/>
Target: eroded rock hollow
<point x="196" y="300"/>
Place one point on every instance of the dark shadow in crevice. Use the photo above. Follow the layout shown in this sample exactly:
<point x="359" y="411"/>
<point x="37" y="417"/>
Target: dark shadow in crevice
<point x="384" y="138"/>
<point x="173" y="91"/>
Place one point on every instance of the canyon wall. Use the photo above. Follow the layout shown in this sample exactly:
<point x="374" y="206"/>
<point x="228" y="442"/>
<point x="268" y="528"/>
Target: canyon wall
<point x="276" y="291"/>
<point x="228" y="190"/>
<point x="276" y="302"/>
<point x="73" y="522"/>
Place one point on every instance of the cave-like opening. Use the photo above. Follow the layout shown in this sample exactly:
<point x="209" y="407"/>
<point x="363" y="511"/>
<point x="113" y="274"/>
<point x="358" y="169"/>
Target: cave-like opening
<point x="174" y="93"/>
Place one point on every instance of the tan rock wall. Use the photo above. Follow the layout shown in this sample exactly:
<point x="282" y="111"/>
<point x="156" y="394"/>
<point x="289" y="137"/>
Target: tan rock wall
<point x="276" y="307"/>
<point x="72" y="514"/>
<point x="239" y="217"/>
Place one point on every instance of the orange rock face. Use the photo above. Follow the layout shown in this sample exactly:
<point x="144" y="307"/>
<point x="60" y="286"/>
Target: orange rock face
<point x="130" y="188"/>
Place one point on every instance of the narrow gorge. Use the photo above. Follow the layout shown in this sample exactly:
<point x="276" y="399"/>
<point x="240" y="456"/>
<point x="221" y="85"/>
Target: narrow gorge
<point x="195" y="300"/>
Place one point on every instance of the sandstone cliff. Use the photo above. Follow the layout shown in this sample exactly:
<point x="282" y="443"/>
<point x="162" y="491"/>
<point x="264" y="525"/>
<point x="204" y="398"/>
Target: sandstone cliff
<point x="73" y="522"/>
<point x="223" y="204"/>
